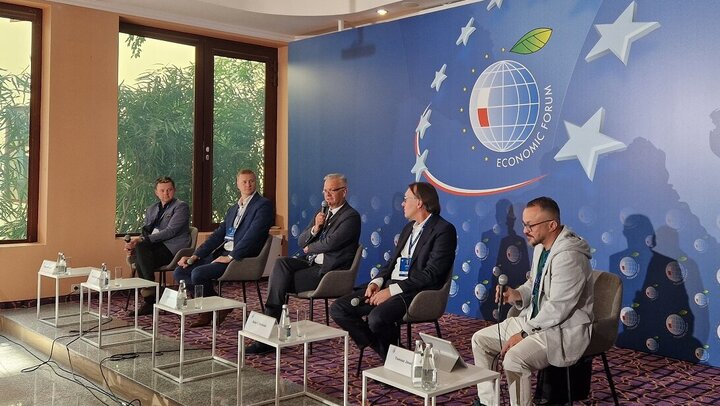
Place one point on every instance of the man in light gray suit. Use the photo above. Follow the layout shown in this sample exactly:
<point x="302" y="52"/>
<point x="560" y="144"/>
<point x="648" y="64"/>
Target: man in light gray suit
<point x="165" y="232"/>
<point x="328" y="243"/>
<point x="555" y="320"/>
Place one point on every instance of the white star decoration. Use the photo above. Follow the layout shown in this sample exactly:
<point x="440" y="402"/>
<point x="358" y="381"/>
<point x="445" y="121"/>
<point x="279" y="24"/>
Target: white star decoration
<point x="587" y="143"/>
<point x="465" y="32"/>
<point x="619" y="36"/>
<point x="440" y="76"/>
<point x="424" y="122"/>
<point x="419" y="166"/>
<point x="493" y="3"/>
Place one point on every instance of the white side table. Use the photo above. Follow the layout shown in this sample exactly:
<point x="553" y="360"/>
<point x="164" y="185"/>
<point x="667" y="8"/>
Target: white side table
<point x="209" y="304"/>
<point x="71" y="273"/>
<point x="447" y="381"/>
<point x="313" y="332"/>
<point x="115" y="285"/>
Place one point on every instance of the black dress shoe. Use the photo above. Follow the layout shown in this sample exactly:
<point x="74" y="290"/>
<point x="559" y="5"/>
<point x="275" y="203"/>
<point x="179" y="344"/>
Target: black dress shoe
<point x="258" y="348"/>
<point x="145" y="309"/>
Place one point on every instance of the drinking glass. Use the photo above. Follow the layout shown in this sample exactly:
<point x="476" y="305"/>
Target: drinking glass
<point x="117" y="275"/>
<point x="198" y="297"/>
<point x="300" y="325"/>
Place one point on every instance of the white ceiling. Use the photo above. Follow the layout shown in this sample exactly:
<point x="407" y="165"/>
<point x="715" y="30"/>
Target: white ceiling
<point x="275" y="20"/>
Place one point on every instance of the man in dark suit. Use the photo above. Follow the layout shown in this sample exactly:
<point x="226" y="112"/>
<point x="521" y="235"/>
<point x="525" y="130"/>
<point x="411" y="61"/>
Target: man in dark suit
<point x="165" y="232"/>
<point x="328" y="243"/>
<point x="422" y="260"/>
<point x="242" y="234"/>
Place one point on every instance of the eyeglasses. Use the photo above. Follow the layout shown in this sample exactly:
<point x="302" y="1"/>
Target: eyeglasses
<point x="529" y="227"/>
<point x="405" y="198"/>
<point x="337" y="189"/>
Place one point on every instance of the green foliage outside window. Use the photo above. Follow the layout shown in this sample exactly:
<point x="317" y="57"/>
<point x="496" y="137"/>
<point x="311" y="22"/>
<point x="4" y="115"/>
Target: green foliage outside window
<point x="14" y="154"/>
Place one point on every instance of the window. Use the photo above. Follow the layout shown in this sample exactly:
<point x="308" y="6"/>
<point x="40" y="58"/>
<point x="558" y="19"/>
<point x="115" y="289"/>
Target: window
<point x="196" y="109"/>
<point x="20" y="63"/>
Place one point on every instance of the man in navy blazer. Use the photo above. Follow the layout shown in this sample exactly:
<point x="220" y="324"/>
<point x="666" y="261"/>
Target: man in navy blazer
<point x="422" y="260"/>
<point x="165" y="232"/>
<point x="328" y="243"/>
<point x="242" y="234"/>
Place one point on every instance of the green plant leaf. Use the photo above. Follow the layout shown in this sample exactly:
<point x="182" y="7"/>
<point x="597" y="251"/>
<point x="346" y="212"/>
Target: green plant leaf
<point x="533" y="41"/>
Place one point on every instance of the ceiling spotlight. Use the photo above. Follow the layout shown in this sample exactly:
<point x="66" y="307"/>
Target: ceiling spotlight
<point x="382" y="11"/>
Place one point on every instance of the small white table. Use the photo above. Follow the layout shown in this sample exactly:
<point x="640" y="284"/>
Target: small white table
<point x="447" y="381"/>
<point x="47" y="273"/>
<point x="209" y="304"/>
<point x="312" y="332"/>
<point x="115" y="285"/>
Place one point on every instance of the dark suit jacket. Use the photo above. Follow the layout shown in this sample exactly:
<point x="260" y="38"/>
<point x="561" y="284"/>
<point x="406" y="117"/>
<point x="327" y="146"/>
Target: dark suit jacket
<point x="174" y="225"/>
<point x="250" y="235"/>
<point x="338" y="243"/>
<point x="432" y="259"/>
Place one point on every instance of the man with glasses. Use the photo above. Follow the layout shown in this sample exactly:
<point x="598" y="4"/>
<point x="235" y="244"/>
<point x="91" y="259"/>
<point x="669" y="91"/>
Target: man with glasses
<point x="165" y="232"/>
<point x="328" y="243"/>
<point x="555" y="321"/>
<point x="422" y="260"/>
<point x="242" y="234"/>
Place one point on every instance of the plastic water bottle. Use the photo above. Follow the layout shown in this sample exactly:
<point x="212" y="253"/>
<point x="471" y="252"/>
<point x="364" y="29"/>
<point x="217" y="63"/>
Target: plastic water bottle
<point x="417" y="367"/>
<point x="182" y="295"/>
<point x="284" y="326"/>
<point x="104" y="279"/>
<point x="60" y="265"/>
<point x="429" y="375"/>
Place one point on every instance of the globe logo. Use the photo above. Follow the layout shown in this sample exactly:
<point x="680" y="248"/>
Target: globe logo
<point x="466" y="267"/>
<point x="375" y="239"/>
<point x="652" y="344"/>
<point x="629" y="317"/>
<point x="702" y="354"/>
<point x="675" y="272"/>
<point x="701" y="299"/>
<point x="513" y="254"/>
<point x="504" y="106"/>
<point x="629" y="267"/>
<point x="453" y="288"/>
<point x="481" y="250"/>
<point x="481" y="292"/>
<point x="651" y="292"/>
<point x="676" y="325"/>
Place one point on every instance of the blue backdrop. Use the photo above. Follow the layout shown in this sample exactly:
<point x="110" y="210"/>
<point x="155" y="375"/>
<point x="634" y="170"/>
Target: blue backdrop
<point x="610" y="107"/>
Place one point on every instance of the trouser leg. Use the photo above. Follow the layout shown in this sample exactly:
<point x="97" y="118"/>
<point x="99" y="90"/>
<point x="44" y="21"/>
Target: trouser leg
<point x="486" y="345"/>
<point x="350" y="318"/>
<point x="529" y="355"/>
<point x="149" y="256"/>
<point x="206" y="275"/>
<point x="283" y="279"/>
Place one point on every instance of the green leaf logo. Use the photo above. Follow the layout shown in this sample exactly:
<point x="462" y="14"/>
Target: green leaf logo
<point x="533" y="41"/>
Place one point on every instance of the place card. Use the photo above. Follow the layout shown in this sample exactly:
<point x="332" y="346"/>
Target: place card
<point x="260" y="324"/>
<point x="400" y="360"/>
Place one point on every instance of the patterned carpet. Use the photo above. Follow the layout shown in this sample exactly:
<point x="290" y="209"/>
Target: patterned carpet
<point x="640" y="378"/>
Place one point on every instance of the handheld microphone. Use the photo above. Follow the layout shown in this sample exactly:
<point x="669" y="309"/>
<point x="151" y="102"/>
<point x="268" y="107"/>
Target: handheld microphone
<point x="502" y="282"/>
<point x="356" y="301"/>
<point x="496" y="271"/>
<point x="324" y="207"/>
<point x="127" y="238"/>
<point x="190" y="260"/>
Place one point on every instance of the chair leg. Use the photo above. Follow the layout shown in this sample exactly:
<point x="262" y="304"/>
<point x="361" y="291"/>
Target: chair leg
<point x="312" y="306"/>
<point x="327" y="313"/>
<point x="437" y="329"/>
<point x="609" y="378"/>
<point x="262" y="306"/>
<point x="244" y="292"/>
<point x="409" y="335"/>
<point x="359" y="366"/>
<point x="569" y="388"/>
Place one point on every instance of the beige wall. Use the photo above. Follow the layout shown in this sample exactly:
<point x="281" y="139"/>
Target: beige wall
<point x="79" y="149"/>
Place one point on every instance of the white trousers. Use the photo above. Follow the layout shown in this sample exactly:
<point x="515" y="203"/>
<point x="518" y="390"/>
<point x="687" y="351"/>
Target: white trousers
<point x="529" y="355"/>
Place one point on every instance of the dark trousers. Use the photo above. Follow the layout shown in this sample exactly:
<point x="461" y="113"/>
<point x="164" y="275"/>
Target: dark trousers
<point x="289" y="275"/>
<point x="202" y="272"/>
<point x="149" y="256"/>
<point x="380" y="330"/>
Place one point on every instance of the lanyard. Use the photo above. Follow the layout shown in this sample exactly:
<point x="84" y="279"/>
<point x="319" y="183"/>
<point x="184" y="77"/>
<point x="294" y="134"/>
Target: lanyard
<point x="412" y="241"/>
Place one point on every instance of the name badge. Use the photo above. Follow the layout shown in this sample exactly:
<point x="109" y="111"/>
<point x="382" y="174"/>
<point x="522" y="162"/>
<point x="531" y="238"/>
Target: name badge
<point x="405" y="266"/>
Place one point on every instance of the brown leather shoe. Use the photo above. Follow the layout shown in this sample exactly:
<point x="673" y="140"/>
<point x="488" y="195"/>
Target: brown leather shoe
<point x="222" y="314"/>
<point x="204" y="320"/>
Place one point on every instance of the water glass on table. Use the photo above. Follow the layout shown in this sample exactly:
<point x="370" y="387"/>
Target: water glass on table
<point x="198" y="297"/>
<point x="300" y="323"/>
<point x="117" y="275"/>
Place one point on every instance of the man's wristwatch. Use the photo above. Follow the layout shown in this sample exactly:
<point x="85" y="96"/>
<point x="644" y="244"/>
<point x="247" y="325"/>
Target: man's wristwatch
<point x="523" y="334"/>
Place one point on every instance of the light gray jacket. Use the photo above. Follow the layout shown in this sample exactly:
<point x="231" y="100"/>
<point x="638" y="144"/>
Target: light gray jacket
<point x="566" y="299"/>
